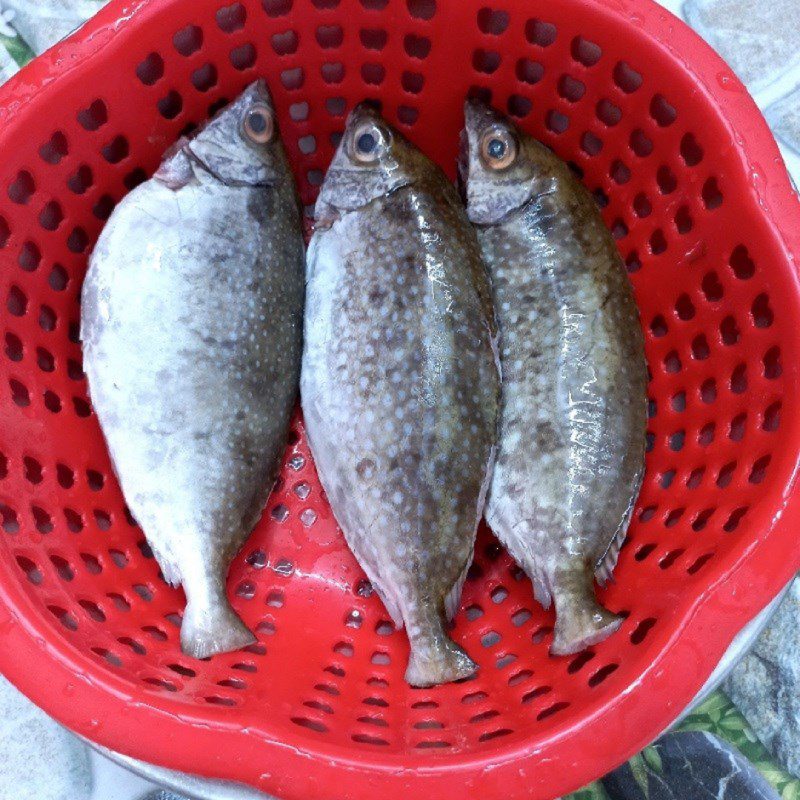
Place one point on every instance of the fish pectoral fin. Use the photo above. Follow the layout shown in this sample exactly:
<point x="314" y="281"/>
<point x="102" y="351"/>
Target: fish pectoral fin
<point x="176" y="171"/>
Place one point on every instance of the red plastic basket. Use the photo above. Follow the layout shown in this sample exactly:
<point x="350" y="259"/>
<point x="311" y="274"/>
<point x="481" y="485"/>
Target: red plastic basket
<point x="694" y="189"/>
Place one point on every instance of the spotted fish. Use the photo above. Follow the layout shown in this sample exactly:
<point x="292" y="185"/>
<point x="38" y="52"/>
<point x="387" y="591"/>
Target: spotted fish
<point x="191" y="323"/>
<point x="400" y="384"/>
<point x="572" y="432"/>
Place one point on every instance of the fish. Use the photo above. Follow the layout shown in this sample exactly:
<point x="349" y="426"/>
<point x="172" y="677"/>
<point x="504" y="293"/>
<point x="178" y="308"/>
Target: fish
<point x="573" y="418"/>
<point x="191" y="323"/>
<point x="400" y="383"/>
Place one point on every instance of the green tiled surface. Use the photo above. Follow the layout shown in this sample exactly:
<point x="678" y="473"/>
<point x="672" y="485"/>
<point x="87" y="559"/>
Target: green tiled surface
<point x="17" y="49"/>
<point x="719" y="716"/>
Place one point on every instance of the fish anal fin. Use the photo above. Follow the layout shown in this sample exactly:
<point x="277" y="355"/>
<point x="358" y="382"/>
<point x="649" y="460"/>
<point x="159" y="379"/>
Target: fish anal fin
<point x="169" y="566"/>
<point x="541" y="592"/>
<point x="390" y="603"/>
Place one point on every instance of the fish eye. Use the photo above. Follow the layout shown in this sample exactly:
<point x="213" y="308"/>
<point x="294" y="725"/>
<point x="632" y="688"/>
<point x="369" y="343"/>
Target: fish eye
<point x="366" y="143"/>
<point x="498" y="149"/>
<point x="368" y="140"/>
<point x="259" y="124"/>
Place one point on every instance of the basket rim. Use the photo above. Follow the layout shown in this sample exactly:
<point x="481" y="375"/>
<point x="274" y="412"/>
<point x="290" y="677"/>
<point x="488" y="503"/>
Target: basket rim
<point x="103" y="709"/>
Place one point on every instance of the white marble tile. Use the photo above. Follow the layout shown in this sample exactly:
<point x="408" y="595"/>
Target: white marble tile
<point x="42" y="23"/>
<point x="784" y="118"/>
<point x="7" y="65"/>
<point x="40" y="760"/>
<point x="113" y="782"/>
<point x="747" y="36"/>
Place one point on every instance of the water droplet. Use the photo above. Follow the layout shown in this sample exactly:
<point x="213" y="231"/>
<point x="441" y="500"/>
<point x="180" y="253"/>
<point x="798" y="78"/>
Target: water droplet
<point x="728" y="82"/>
<point x="297" y="462"/>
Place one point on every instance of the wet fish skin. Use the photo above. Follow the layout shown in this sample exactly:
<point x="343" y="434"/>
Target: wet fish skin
<point x="399" y="386"/>
<point x="192" y="333"/>
<point x="572" y="433"/>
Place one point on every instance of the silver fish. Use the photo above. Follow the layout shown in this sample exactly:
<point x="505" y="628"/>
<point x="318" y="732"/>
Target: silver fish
<point x="572" y="432"/>
<point x="192" y="333"/>
<point x="400" y="385"/>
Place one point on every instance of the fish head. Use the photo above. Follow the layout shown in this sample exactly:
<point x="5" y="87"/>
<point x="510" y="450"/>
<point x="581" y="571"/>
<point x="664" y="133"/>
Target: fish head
<point x="241" y="145"/>
<point x="371" y="161"/>
<point x="500" y="167"/>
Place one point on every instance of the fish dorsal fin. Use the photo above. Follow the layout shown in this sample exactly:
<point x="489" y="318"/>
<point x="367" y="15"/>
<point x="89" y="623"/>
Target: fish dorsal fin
<point x="453" y="599"/>
<point x="608" y="561"/>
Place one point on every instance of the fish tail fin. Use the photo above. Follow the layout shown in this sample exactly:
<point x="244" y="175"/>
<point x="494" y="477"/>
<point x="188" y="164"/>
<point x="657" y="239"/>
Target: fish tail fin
<point x="211" y="628"/>
<point x="541" y="586"/>
<point x="580" y="619"/>
<point x="435" y="658"/>
<point x="446" y="662"/>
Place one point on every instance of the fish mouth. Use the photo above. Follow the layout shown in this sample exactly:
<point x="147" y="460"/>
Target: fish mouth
<point x="476" y="113"/>
<point x="261" y="89"/>
<point x="462" y="162"/>
<point x="474" y="109"/>
<point x="365" y="110"/>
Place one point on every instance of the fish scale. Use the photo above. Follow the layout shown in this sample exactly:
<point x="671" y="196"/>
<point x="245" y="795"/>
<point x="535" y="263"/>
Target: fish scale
<point x="400" y="384"/>
<point x="191" y="328"/>
<point x="572" y="425"/>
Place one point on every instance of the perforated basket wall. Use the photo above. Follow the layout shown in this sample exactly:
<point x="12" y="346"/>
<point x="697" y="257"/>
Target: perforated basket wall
<point x="692" y="186"/>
